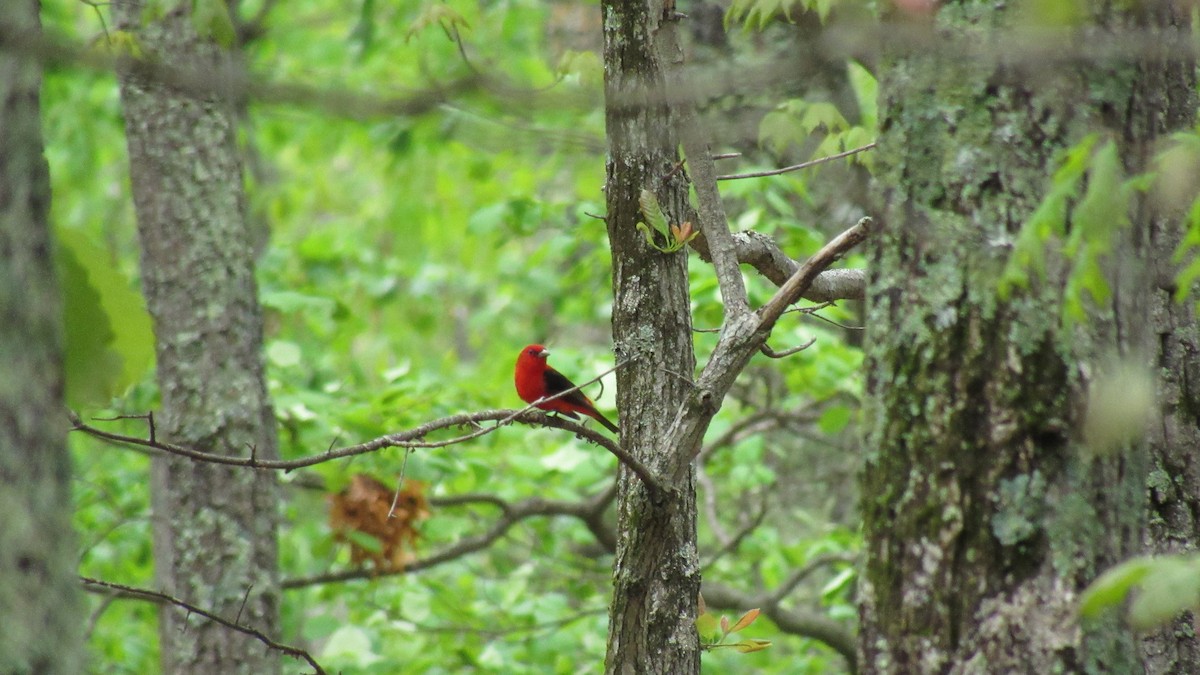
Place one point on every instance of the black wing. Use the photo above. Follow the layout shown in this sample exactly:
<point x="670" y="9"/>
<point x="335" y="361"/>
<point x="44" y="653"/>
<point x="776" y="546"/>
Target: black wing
<point x="557" y="383"/>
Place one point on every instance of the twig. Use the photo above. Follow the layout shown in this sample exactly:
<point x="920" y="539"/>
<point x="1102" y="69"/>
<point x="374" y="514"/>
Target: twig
<point x="802" y="573"/>
<point x="797" y="167"/>
<point x="399" y="482"/>
<point x="121" y="590"/>
<point x="787" y="352"/>
<point x="837" y="323"/>
<point x="732" y="543"/>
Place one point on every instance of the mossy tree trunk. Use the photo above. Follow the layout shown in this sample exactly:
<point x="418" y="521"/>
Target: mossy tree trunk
<point x="215" y="527"/>
<point x="985" y="514"/>
<point x="41" y="627"/>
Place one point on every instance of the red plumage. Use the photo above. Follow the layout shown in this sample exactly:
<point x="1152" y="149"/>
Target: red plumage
<point x="535" y="379"/>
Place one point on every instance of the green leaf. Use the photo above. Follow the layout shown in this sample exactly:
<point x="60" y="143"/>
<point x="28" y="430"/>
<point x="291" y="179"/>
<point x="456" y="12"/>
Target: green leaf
<point x="351" y="645"/>
<point x="1048" y="221"/>
<point x="747" y="646"/>
<point x="653" y="213"/>
<point x="283" y="353"/>
<point x="440" y="14"/>
<point x="1171" y="586"/>
<point x="103" y="356"/>
<point x="1111" y="588"/>
<point x="835" y="418"/>
<point x="839" y="582"/>
<point x="211" y="20"/>
<point x="708" y="626"/>
<point x="364" y="541"/>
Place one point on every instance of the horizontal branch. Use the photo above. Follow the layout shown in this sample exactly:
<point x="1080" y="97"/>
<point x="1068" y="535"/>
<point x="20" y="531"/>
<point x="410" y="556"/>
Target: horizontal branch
<point x="764" y="255"/>
<point x="121" y="590"/>
<point x="229" y="80"/>
<point x="412" y="439"/>
<point x="589" y="511"/>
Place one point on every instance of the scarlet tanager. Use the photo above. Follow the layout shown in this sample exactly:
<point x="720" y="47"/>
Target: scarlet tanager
<point x="536" y="379"/>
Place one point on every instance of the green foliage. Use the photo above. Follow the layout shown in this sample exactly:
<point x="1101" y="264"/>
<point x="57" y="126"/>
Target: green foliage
<point x="407" y="261"/>
<point x="674" y="236"/>
<point x="1082" y="214"/>
<point x="759" y="13"/>
<point x="1177" y="173"/>
<point x="797" y="122"/>
<point x="1163" y="587"/>
<point x="211" y="20"/>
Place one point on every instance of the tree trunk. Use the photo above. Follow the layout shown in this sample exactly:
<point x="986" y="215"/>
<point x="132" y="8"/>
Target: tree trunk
<point x="656" y="576"/>
<point x="214" y="526"/>
<point x="985" y="514"/>
<point x="40" y="609"/>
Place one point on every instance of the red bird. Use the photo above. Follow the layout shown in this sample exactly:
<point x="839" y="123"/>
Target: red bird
<point x="536" y="379"/>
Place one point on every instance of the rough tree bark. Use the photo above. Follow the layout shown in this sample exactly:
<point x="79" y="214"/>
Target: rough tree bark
<point x="665" y="411"/>
<point x="214" y="526"/>
<point x="40" y="609"/>
<point x="985" y="515"/>
<point x="656" y="575"/>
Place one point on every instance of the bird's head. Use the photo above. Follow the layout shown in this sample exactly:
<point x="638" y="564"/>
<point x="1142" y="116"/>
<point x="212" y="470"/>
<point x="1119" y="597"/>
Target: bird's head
<point x="534" y="352"/>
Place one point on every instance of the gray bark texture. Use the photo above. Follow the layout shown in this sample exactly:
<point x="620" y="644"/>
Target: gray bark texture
<point x="985" y="514"/>
<point x="41" y="628"/>
<point x="215" y="526"/>
<point x="656" y="575"/>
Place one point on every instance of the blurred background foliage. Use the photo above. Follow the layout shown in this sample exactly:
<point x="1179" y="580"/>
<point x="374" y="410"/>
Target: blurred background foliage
<point x="404" y="262"/>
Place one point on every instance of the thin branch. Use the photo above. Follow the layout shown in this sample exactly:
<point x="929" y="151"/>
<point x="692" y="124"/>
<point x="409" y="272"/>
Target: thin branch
<point x="797" y="167"/>
<point x="399" y="483"/>
<point x="94" y="618"/>
<point x="713" y="225"/>
<point x="836" y="323"/>
<point x="736" y="540"/>
<point x="229" y="80"/>
<point x="588" y="511"/>
<point x="411" y="439"/>
<point x="801" y="573"/>
<point x="497" y="632"/>
<point x="794" y="287"/>
<point x="787" y="352"/>
<point x="709" y="492"/>
<point x="121" y="590"/>
<point x="407" y="439"/>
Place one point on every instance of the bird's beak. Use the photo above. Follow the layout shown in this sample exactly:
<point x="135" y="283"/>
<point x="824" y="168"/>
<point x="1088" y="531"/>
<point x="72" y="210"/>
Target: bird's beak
<point x="544" y="353"/>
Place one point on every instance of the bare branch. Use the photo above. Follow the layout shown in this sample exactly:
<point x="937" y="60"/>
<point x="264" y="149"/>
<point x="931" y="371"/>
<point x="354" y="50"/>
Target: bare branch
<point x="787" y="352"/>
<point x="121" y="590"/>
<point x="799" y="282"/>
<point x="589" y="511"/>
<point x="764" y="255"/>
<point x="797" y="167"/>
<point x="229" y="80"/>
<point x="410" y="439"/>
